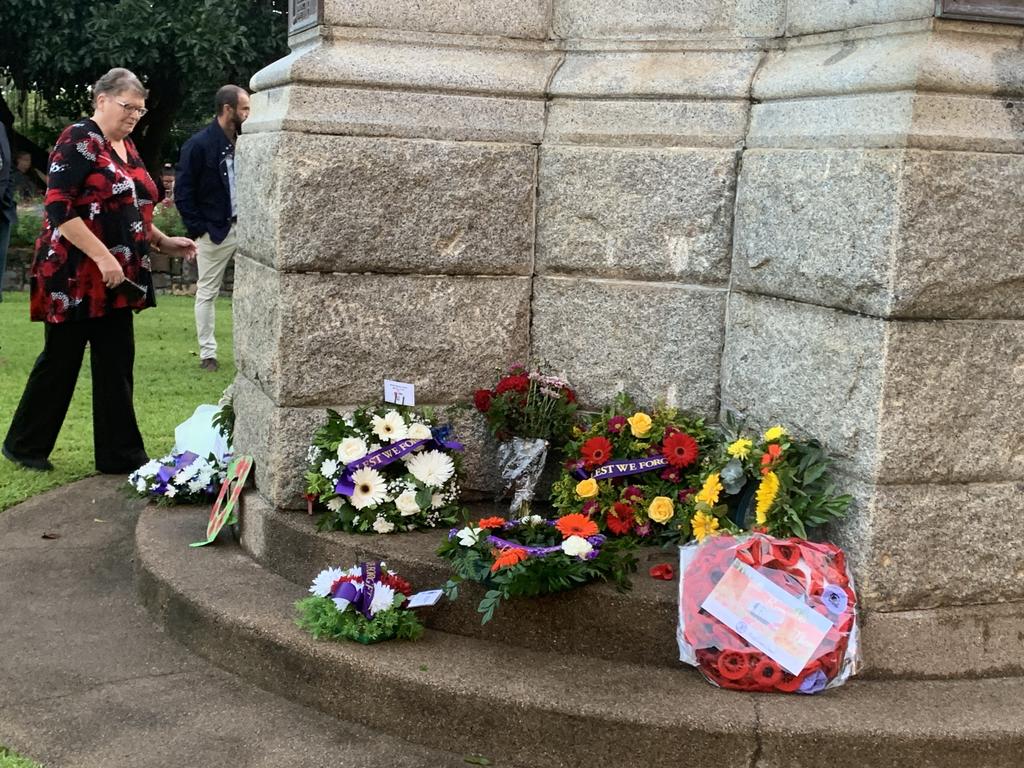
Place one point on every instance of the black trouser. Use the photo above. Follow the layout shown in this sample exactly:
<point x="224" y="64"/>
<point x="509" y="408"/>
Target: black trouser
<point x="37" y="422"/>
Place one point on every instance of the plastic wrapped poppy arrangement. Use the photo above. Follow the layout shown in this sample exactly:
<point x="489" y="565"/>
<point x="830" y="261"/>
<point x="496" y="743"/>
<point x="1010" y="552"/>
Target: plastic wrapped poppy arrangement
<point x="758" y="613"/>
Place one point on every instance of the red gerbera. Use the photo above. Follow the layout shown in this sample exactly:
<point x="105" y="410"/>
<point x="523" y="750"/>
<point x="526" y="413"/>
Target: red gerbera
<point x="518" y="383"/>
<point x="482" y="400"/>
<point x="596" y="451"/>
<point x="621" y="518"/>
<point x="576" y="525"/>
<point x="680" y="449"/>
<point x="491" y="522"/>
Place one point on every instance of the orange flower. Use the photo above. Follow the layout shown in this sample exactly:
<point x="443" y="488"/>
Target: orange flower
<point x="507" y="558"/>
<point x="491" y="522"/>
<point x="771" y="454"/>
<point x="576" y="525"/>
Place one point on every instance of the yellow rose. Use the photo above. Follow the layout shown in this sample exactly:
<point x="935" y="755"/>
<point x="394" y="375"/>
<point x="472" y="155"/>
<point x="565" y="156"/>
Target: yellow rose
<point x="586" y="489"/>
<point x="740" y="449"/>
<point x="773" y="434"/>
<point x="661" y="510"/>
<point x="639" y="424"/>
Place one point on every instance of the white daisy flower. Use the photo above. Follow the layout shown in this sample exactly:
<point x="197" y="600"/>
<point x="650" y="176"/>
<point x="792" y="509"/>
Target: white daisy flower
<point x="196" y="485"/>
<point x="171" y="492"/>
<point x="380" y="525"/>
<point x="432" y="468"/>
<point x="531" y="520"/>
<point x="150" y="468"/>
<point x="383" y="598"/>
<point x="469" y="536"/>
<point x="390" y="427"/>
<point x="335" y="504"/>
<point x="321" y="586"/>
<point x="370" y="488"/>
<point x="140" y="485"/>
<point x="350" y="449"/>
<point x="328" y="468"/>
<point x="419" y="431"/>
<point x="406" y="503"/>
<point x="576" y="546"/>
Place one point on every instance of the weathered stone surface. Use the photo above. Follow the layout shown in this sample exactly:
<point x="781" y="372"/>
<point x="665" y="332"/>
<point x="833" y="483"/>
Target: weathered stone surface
<point x="340" y="335"/>
<point x="816" y="370"/>
<point x="890" y="233"/>
<point x="398" y="114"/>
<point x="895" y="401"/>
<point x="256" y="320"/>
<point x="640" y="213"/>
<point x="653" y="19"/>
<point x="646" y="123"/>
<point x="410" y="206"/>
<point x="654" y="340"/>
<point x="804" y="16"/>
<point x="705" y="74"/>
<point x="510" y="18"/>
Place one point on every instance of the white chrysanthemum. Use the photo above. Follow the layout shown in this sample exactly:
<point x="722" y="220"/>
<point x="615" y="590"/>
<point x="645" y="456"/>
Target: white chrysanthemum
<point x="380" y="525"/>
<point x="419" y="431"/>
<point x="140" y="485"/>
<point x="335" y="504"/>
<point x="406" y="503"/>
<point x="432" y="468"/>
<point x="370" y="488"/>
<point x="196" y="485"/>
<point x="531" y="520"/>
<point x="328" y="468"/>
<point x="469" y="536"/>
<point x="350" y="449"/>
<point x="390" y="426"/>
<point x="436" y="500"/>
<point x="150" y="468"/>
<point x="576" y="546"/>
<point x="383" y="598"/>
<point x="321" y="586"/>
<point x="171" y="492"/>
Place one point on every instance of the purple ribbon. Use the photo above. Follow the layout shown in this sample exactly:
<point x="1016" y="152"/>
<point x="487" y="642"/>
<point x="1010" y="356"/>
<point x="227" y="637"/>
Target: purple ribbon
<point x="181" y="461"/>
<point x="622" y="467"/>
<point x="360" y="600"/>
<point x="384" y="456"/>
<point x="595" y="541"/>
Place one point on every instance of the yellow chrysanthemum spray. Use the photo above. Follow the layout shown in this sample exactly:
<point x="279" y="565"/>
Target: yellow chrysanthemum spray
<point x="775" y="433"/>
<point x="767" y="491"/>
<point x="740" y="449"/>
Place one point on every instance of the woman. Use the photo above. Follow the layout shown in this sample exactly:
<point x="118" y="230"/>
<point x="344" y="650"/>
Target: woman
<point x="96" y="235"/>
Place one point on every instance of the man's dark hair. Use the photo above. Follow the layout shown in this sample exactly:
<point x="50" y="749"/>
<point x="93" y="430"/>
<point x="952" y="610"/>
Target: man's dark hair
<point x="227" y="95"/>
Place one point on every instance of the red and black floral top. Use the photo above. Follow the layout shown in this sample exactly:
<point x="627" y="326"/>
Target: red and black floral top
<point x="115" y="199"/>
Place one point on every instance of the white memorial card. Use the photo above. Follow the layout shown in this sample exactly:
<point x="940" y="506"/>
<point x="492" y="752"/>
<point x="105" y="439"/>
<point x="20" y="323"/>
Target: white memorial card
<point x="423" y="599"/>
<point x="399" y="393"/>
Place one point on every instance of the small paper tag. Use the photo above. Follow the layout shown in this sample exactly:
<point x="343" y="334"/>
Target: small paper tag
<point x="423" y="599"/>
<point x="767" y="616"/>
<point x="399" y="393"/>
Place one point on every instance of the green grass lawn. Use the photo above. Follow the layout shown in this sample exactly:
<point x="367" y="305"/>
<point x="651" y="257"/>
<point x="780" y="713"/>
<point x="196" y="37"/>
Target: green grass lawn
<point x="168" y="387"/>
<point x="10" y="760"/>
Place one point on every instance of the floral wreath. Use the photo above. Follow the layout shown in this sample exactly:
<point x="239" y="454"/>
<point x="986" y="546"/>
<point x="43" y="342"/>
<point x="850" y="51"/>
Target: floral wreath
<point x="382" y="470"/>
<point x="533" y="556"/>
<point x="364" y="603"/>
<point x="631" y="470"/>
<point x="777" y="484"/>
<point x="179" y="478"/>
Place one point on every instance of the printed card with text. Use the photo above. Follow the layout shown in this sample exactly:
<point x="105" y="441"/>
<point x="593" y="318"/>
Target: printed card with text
<point x="399" y="392"/>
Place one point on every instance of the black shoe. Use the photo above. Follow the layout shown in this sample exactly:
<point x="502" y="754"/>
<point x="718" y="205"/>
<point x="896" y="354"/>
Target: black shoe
<point x="40" y="465"/>
<point x="209" y="364"/>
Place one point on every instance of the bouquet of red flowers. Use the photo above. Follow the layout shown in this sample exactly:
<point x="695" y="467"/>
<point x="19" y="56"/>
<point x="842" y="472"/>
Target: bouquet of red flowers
<point x="758" y="613"/>
<point x="528" y="403"/>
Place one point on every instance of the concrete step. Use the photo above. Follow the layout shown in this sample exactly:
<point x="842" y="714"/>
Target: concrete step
<point x="597" y="620"/>
<point x="541" y="709"/>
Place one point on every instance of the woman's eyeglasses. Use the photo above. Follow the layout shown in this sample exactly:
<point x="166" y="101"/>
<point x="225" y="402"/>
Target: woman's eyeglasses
<point x="140" y="111"/>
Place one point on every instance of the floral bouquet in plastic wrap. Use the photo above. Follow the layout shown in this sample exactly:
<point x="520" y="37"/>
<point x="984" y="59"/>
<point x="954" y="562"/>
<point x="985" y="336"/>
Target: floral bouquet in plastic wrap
<point x="383" y="470"/>
<point x="366" y="603"/>
<point x="528" y="411"/>
<point x="758" y="613"/>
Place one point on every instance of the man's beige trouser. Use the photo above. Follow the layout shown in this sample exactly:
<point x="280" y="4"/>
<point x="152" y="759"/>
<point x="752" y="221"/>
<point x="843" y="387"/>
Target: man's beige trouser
<point x="212" y="259"/>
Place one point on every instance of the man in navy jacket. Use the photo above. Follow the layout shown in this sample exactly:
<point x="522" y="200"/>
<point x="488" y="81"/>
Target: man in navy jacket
<point x="204" y="192"/>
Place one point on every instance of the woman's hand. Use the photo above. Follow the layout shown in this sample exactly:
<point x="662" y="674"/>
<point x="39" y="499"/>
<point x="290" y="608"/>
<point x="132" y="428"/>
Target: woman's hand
<point x="111" y="271"/>
<point x="179" y="246"/>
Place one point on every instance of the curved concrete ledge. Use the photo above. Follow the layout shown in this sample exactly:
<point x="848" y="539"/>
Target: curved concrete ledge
<point x="529" y="708"/>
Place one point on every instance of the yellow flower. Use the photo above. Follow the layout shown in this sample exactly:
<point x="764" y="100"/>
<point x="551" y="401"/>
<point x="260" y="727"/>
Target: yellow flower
<point x="703" y="525"/>
<point x="766" y="493"/>
<point x="586" y="489"/>
<point x="773" y="434"/>
<point x="639" y="424"/>
<point x="740" y="449"/>
<point x="709" y="493"/>
<point x="661" y="509"/>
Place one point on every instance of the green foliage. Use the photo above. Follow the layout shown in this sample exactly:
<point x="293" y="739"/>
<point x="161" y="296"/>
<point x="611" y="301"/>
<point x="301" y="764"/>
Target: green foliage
<point x="321" y="618"/>
<point x="27" y="229"/>
<point x="168" y="220"/>
<point x="535" y="575"/>
<point x="9" y="759"/>
<point x="168" y="386"/>
<point x="528" y="403"/>
<point x="224" y="419"/>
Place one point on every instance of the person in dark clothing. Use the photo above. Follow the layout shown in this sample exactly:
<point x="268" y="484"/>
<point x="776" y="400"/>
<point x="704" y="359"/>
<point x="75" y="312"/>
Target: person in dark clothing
<point x="204" y="192"/>
<point x="8" y="203"/>
<point x="26" y="179"/>
<point x="94" y="247"/>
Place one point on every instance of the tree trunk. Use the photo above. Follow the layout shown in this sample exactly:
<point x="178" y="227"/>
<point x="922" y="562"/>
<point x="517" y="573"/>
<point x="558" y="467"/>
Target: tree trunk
<point x="163" y="102"/>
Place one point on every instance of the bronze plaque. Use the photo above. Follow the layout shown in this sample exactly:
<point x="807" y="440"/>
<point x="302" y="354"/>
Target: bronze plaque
<point x="303" y="14"/>
<point x="1004" y="11"/>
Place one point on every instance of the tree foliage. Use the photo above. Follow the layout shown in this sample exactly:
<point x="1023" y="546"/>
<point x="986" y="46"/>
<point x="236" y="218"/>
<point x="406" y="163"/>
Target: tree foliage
<point x="183" y="50"/>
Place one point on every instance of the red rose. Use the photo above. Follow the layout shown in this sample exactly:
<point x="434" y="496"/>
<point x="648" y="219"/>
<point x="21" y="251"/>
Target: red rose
<point x="620" y="518"/>
<point x="663" y="571"/>
<point x="680" y="449"/>
<point x="596" y="451"/>
<point x="570" y="395"/>
<point x="482" y="400"/>
<point x="519" y="383"/>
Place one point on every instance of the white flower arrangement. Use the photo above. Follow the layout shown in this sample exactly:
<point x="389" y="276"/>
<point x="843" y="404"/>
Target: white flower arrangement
<point x="179" y="478"/>
<point x="383" y="470"/>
